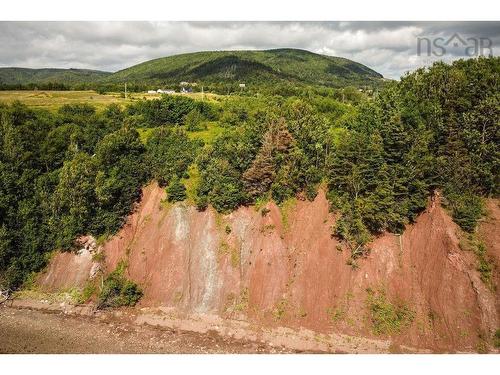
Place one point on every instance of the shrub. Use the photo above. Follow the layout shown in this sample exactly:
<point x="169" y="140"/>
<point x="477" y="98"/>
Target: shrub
<point x="466" y="209"/>
<point x="119" y="291"/>
<point x="484" y="264"/>
<point x="385" y="317"/>
<point x="311" y="192"/>
<point x="87" y="292"/>
<point x="201" y="202"/>
<point x="496" y="339"/>
<point x="352" y="230"/>
<point x="194" y="120"/>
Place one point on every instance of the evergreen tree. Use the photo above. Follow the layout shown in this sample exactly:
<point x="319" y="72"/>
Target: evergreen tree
<point x="176" y="191"/>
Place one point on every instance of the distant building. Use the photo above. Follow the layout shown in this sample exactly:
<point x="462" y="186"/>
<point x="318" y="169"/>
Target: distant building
<point x="242" y="85"/>
<point x="186" y="90"/>
<point x="151" y="92"/>
<point x="161" y="91"/>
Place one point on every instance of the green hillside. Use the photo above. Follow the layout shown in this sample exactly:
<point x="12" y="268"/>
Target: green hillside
<point x="25" y="76"/>
<point x="216" y="70"/>
<point x="250" y="67"/>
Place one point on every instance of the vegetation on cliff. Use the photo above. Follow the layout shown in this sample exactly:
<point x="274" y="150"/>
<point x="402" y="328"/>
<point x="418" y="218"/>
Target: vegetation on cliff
<point x="79" y="170"/>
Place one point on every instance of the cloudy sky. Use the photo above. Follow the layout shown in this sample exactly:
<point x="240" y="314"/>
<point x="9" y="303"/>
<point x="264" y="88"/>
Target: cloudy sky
<point x="388" y="47"/>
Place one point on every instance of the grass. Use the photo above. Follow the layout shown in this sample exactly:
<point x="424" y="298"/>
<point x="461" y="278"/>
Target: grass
<point x="145" y="134"/>
<point x="242" y="302"/>
<point x="267" y="229"/>
<point x="496" y="339"/>
<point x="285" y="208"/>
<point x="301" y="313"/>
<point x="192" y="183"/>
<point x="387" y="317"/>
<point x="484" y="265"/>
<point x="178" y="297"/>
<point x="279" y="311"/>
<point x="225" y="249"/>
<point x="209" y="135"/>
<point x="261" y="202"/>
<point x="336" y="314"/>
<point x="99" y="257"/>
<point x="238" y="303"/>
<point x="53" y="100"/>
<point x="87" y="292"/>
<point x="71" y="295"/>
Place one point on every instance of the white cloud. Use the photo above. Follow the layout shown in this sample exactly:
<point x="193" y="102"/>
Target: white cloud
<point x="389" y="48"/>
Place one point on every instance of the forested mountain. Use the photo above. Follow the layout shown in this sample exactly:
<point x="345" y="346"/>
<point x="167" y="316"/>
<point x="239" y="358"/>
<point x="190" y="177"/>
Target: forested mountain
<point x="79" y="171"/>
<point x="219" y="71"/>
<point x="252" y="68"/>
<point x="25" y="76"/>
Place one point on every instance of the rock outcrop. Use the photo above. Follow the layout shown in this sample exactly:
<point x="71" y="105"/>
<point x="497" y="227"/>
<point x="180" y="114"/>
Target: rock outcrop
<point x="282" y="267"/>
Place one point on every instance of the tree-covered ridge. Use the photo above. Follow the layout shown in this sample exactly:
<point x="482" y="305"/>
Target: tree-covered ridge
<point x="79" y="171"/>
<point x="218" y="71"/>
<point x="23" y="76"/>
<point x="252" y="67"/>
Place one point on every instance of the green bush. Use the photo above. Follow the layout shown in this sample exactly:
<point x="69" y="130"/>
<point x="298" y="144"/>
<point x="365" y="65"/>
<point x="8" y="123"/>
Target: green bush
<point x="466" y="209"/>
<point x="484" y="264"/>
<point x="176" y="191"/>
<point x="386" y="317"/>
<point x="194" y="120"/>
<point x="496" y="339"/>
<point x="169" y="153"/>
<point x="119" y="291"/>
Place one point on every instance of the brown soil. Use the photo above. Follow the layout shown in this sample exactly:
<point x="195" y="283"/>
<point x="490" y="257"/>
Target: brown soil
<point x="33" y="331"/>
<point x="285" y="269"/>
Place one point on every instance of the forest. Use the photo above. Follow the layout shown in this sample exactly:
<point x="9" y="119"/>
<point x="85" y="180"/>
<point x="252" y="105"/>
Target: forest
<point x="79" y="170"/>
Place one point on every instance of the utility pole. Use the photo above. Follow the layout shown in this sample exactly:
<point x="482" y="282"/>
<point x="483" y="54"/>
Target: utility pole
<point x="125" y="90"/>
<point x="202" y="94"/>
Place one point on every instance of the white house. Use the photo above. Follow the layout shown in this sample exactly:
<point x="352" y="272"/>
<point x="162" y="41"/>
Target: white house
<point x="151" y="92"/>
<point x="160" y="91"/>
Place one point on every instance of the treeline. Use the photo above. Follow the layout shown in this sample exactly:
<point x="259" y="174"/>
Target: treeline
<point x="348" y="94"/>
<point x="79" y="171"/>
<point x="73" y="172"/>
<point x="55" y="86"/>
<point x="436" y="129"/>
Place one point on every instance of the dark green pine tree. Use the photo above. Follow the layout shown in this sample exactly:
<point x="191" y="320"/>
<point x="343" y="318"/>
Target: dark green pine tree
<point x="176" y="190"/>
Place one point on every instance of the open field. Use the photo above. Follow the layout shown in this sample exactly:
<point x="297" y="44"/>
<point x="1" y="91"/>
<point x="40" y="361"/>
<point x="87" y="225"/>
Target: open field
<point x="52" y="100"/>
<point x="56" y="99"/>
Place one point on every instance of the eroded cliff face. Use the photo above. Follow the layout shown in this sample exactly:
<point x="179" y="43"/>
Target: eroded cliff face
<point x="283" y="268"/>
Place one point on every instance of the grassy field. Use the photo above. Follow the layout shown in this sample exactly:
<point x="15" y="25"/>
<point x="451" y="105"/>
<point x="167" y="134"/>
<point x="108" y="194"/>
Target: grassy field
<point x="53" y="100"/>
<point x="207" y="136"/>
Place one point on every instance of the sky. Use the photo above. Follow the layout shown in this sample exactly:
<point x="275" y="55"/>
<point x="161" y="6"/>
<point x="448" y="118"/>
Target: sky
<point x="390" y="48"/>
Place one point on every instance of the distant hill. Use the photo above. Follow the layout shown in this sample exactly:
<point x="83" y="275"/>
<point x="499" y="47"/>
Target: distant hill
<point x="213" y="69"/>
<point x="25" y="76"/>
<point x="250" y="67"/>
